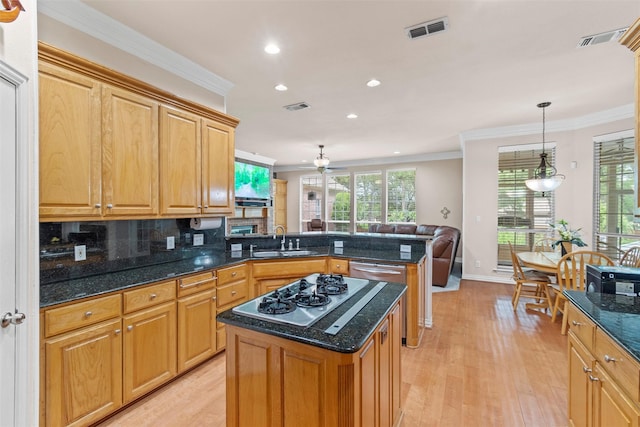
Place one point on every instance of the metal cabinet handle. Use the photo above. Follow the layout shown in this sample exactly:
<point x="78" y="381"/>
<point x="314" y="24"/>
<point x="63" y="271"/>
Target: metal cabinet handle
<point x="594" y="379"/>
<point x="574" y="323"/>
<point x="233" y="292"/>
<point x="88" y="314"/>
<point x="12" y="319"/>
<point x="98" y="205"/>
<point x="109" y="206"/>
<point x="153" y="296"/>
<point x="608" y="359"/>
<point x="206" y="206"/>
<point x="117" y="331"/>
<point x="586" y="370"/>
<point x="130" y="328"/>
<point x="234" y="274"/>
<point x="183" y="286"/>
<point x="213" y="298"/>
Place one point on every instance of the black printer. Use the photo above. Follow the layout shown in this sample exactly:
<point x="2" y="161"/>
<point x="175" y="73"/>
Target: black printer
<point x="613" y="280"/>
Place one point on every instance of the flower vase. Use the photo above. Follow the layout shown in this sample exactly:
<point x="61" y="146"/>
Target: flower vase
<point x="566" y="247"/>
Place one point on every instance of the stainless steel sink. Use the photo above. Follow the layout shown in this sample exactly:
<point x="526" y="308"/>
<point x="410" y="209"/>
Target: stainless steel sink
<point x="266" y="254"/>
<point x="297" y="253"/>
<point x="271" y="254"/>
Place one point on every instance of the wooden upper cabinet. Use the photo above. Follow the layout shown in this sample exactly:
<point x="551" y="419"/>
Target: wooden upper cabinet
<point x="218" y="154"/>
<point x="180" y="166"/>
<point x="129" y="153"/>
<point x="70" y="164"/>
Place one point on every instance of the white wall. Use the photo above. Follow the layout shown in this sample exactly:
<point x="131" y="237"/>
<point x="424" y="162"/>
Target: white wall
<point x="438" y="185"/>
<point x="574" y="198"/>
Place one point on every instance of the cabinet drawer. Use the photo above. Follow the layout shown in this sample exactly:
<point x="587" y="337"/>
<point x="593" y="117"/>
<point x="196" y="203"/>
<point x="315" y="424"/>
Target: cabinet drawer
<point x="231" y="274"/>
<point x="618" y="364"/>
<point x="196" y="283"/>
<point x="149" y="295"/>
<point x="339" y="266"/>
<point x="289" y="268"/>
<point x="234" y="292"/>
<point x="74" y="316"/>
<point x="581" y="326"/>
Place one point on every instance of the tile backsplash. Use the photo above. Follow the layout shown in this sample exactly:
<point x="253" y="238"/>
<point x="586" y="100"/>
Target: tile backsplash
<point x="120" y="245"/>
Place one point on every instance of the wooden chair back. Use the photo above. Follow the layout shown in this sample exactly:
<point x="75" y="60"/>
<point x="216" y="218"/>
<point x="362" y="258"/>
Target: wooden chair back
<point x="544" y="245"/>
<point x="571" y="271"/>
<point x="631" y="257"/>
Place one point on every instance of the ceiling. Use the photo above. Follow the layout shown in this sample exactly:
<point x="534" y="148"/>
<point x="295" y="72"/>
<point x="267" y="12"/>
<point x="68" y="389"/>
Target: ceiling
<point x="496" y="61"/>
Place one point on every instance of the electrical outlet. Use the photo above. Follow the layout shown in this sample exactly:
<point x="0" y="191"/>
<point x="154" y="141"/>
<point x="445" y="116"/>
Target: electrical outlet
<point x="198" y="239"/>
<point x="405" y="248"/>
<point x="235" y="247"/>
<point x="80" y="252"/>
<point x="171" y="242"/>
<point x="477" y="263"/>
<point x="337" y="244"/>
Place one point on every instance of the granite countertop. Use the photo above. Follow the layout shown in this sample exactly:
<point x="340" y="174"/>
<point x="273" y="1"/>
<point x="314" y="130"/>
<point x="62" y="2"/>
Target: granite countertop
<point x="70" y="290"/>
<point x="349" y="340"/>
<point x="617" y="315"/>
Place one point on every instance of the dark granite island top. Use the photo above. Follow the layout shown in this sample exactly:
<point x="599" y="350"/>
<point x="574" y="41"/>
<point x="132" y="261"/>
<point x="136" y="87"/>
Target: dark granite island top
<point x="349" y="340"/>
<point x="617" y="315"/>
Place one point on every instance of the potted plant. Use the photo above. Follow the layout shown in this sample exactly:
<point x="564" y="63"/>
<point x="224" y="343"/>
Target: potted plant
<point x="568" y="237"/>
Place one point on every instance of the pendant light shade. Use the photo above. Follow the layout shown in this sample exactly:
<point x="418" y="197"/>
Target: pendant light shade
<point x="321" y="161"/>
<point x="546" y="177"/>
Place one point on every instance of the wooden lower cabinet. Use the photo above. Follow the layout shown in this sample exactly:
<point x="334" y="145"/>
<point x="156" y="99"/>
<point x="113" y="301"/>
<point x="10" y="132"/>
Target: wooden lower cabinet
<point x="339" y="266"/>
<point x="83" y="374"/>
<point x="196" y="329"/>
<point x="149" y="349"/>
<point x="604" y="380"/>
<point x="275" y="381"/>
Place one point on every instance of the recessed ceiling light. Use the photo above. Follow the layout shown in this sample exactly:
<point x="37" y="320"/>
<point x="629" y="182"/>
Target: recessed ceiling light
<point x="304" y="161"/>
<point x="352" y="116"/>
<point x="396" y="152"/>
<point x="272" y="49"/>
<point x="373" y="83"/>
<point x="281" y="88"/>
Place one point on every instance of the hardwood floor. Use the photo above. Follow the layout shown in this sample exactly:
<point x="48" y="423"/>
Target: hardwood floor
<point x="482" y="364"/>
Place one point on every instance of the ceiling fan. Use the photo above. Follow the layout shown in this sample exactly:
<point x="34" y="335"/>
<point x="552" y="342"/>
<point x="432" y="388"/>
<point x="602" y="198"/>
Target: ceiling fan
<point x="321" y="162"/>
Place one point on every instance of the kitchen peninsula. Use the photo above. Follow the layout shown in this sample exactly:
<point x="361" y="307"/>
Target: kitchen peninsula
<point x="281" y="373"/>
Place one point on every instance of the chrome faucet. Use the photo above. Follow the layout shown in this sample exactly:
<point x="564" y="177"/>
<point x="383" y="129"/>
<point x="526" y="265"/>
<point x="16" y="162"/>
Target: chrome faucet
<point x="284" y="238"/>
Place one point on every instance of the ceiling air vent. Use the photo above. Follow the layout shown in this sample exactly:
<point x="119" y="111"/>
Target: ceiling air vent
<point x="609" y="36"/>
<point x="297" y="106"/>
<point x="428" y="28"/>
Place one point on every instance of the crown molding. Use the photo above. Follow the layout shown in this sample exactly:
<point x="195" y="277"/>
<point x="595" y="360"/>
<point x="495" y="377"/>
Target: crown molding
<point x="88" y="20"/>
<point x="594" y="119"/>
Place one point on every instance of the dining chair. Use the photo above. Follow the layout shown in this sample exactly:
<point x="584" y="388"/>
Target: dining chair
<point x="631" y="257"/>
<point x="529" y="284"/>
<point x="571" y="273"/>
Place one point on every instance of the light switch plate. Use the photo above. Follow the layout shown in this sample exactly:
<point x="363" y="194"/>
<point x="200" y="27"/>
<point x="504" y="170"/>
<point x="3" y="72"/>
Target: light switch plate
<point x="236" y="247"/>
<point x="337" y="244"/>
<point x="198" y="239"/>
<point x="80" y="252"/>
<point x="171" y="242"/>
<point x="405" y="248"/>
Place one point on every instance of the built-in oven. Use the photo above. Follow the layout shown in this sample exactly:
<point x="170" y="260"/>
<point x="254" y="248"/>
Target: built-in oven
<point x="384" y="273"/>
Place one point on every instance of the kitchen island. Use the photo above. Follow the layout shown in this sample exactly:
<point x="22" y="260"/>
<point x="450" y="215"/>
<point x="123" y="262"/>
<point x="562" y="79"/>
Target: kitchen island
<point x="290" y="375"/>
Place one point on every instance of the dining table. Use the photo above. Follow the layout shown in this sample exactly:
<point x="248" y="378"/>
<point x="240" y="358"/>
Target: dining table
<point x="545" y="262"/>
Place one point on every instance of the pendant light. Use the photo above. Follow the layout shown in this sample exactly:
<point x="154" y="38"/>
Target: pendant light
<point x="321" y="162"/>
<point x="546" y="177"/>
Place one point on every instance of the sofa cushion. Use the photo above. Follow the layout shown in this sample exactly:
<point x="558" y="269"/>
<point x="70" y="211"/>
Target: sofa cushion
<point x="386" y="228"/>
<point x="440" y="245"/>
<point x="428" y="230"/>
<point x="405" y="229"/>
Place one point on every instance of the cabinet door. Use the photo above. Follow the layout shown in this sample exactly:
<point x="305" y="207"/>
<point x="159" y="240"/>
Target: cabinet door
<point x="149" y="349"/>
<point x="280" y="203"/>
<point x="218" y="154"/>
<point x="196" y="329"/>
<point x="129" y="153"/>
<point x="612" y="408"/>
<point x="385" y="336"/>
<point x="180" y="168"/>
<point x="580" y="390"/>
<point x="396" y="318"/>
<point x="70" y="164"/>
<point x="83" y="375"/>
<point x="368" y="383"/>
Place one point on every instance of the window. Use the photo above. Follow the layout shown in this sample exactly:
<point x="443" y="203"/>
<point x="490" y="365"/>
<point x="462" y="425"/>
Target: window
<point x="401" y="196"/>
<point x="311" y="203"/>
<point x="368" y="199"/>
<point x="338" y="202"/>
<point x="523" y="215"/>
<point x="614" y="202"/>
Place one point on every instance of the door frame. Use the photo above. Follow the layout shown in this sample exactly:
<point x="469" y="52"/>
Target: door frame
<point x="27" y="295"/>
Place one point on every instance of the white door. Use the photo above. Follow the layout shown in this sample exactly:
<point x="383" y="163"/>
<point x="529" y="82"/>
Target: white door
<point x="10" y="333"/>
